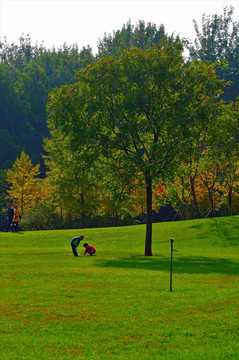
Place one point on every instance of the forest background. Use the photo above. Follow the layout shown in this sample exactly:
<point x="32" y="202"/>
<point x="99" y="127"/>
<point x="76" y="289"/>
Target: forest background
<point x="56" y="189"/>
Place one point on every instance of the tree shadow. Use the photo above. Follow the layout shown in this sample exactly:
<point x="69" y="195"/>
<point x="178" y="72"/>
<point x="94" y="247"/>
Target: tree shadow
<point x="187" y="265"/>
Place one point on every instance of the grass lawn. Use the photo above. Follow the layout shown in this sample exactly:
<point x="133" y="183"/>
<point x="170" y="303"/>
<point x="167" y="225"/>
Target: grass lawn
<point x="117" y="304"/>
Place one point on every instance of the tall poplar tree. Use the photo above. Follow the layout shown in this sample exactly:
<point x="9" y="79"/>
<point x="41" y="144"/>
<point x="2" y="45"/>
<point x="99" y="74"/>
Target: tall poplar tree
<point x="218" y="39"/>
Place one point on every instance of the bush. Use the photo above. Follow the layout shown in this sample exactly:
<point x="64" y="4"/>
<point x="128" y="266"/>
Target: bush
<point x="42" y="217"/>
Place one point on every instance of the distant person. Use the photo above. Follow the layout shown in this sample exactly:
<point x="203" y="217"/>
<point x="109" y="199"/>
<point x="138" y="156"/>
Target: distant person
<point x="16" y="219"/>
<point x="74" y="244"/>
<point x="10" y="214"/>
<point x="89" y="249"/>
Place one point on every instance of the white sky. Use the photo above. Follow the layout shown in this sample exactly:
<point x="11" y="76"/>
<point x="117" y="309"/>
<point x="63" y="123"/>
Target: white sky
<point x="54" y="22"/>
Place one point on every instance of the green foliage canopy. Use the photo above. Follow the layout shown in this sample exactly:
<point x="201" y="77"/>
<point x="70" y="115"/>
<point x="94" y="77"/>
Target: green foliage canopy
<point x="149" y="106"/>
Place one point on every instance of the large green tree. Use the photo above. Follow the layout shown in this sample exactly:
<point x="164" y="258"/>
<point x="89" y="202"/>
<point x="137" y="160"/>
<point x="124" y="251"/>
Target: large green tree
<point x="149" y="106"/>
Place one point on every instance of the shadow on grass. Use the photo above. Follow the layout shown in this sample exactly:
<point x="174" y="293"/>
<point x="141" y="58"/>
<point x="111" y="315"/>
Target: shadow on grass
<point x="188" y="265"/>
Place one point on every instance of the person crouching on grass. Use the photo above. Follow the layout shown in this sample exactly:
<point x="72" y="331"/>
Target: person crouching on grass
<point x="74" y="243"/>
<point x="89" y="249"/>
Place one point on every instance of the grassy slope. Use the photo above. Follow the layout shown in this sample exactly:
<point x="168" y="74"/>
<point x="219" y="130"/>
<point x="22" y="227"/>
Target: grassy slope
<point x="117" y="304"/>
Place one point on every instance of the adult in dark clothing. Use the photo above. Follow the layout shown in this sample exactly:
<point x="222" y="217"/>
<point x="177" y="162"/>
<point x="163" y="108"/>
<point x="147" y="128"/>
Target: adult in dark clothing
<point x="74" y="243"/>
<point x="10" y="214"/>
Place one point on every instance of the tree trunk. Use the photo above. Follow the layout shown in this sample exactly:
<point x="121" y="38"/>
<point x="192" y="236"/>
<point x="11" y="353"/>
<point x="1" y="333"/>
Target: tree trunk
<point x="83" y="216"/>
<point x="61" y="220"/>
<point x="115" y="219"/>
<point x="212" y="202"/>
<point x="230" y="200"/>
<point x="70" y="221"/>
<point x="192" y="178"/>
<point x="148" y="239"/>
<point x="22" y="203"/>
<point x="184" y="212"/>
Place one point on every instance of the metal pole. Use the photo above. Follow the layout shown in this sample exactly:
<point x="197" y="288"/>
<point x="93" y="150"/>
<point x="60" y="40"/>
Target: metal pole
<point x="171" y="266"/>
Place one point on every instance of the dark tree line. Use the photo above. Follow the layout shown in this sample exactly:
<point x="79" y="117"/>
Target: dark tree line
<point x="27" y="74"/>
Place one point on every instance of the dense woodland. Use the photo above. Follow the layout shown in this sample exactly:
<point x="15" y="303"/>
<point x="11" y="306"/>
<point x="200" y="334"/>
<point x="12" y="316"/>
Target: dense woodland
<point x="62" y="176"/>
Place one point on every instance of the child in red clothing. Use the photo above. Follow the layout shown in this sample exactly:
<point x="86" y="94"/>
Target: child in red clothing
<point x="89" y="249"/>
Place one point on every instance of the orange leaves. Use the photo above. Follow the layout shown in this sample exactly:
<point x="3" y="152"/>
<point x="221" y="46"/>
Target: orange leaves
<point x="161" y="190"/>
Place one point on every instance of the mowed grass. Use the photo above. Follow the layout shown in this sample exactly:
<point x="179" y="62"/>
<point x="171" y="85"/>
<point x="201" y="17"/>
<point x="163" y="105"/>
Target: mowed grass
<point x="117" y="304"/>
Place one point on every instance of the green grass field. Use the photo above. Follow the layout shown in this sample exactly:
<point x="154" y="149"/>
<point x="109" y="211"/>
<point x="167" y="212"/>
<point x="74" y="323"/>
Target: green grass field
<point x="117" y="304"/>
